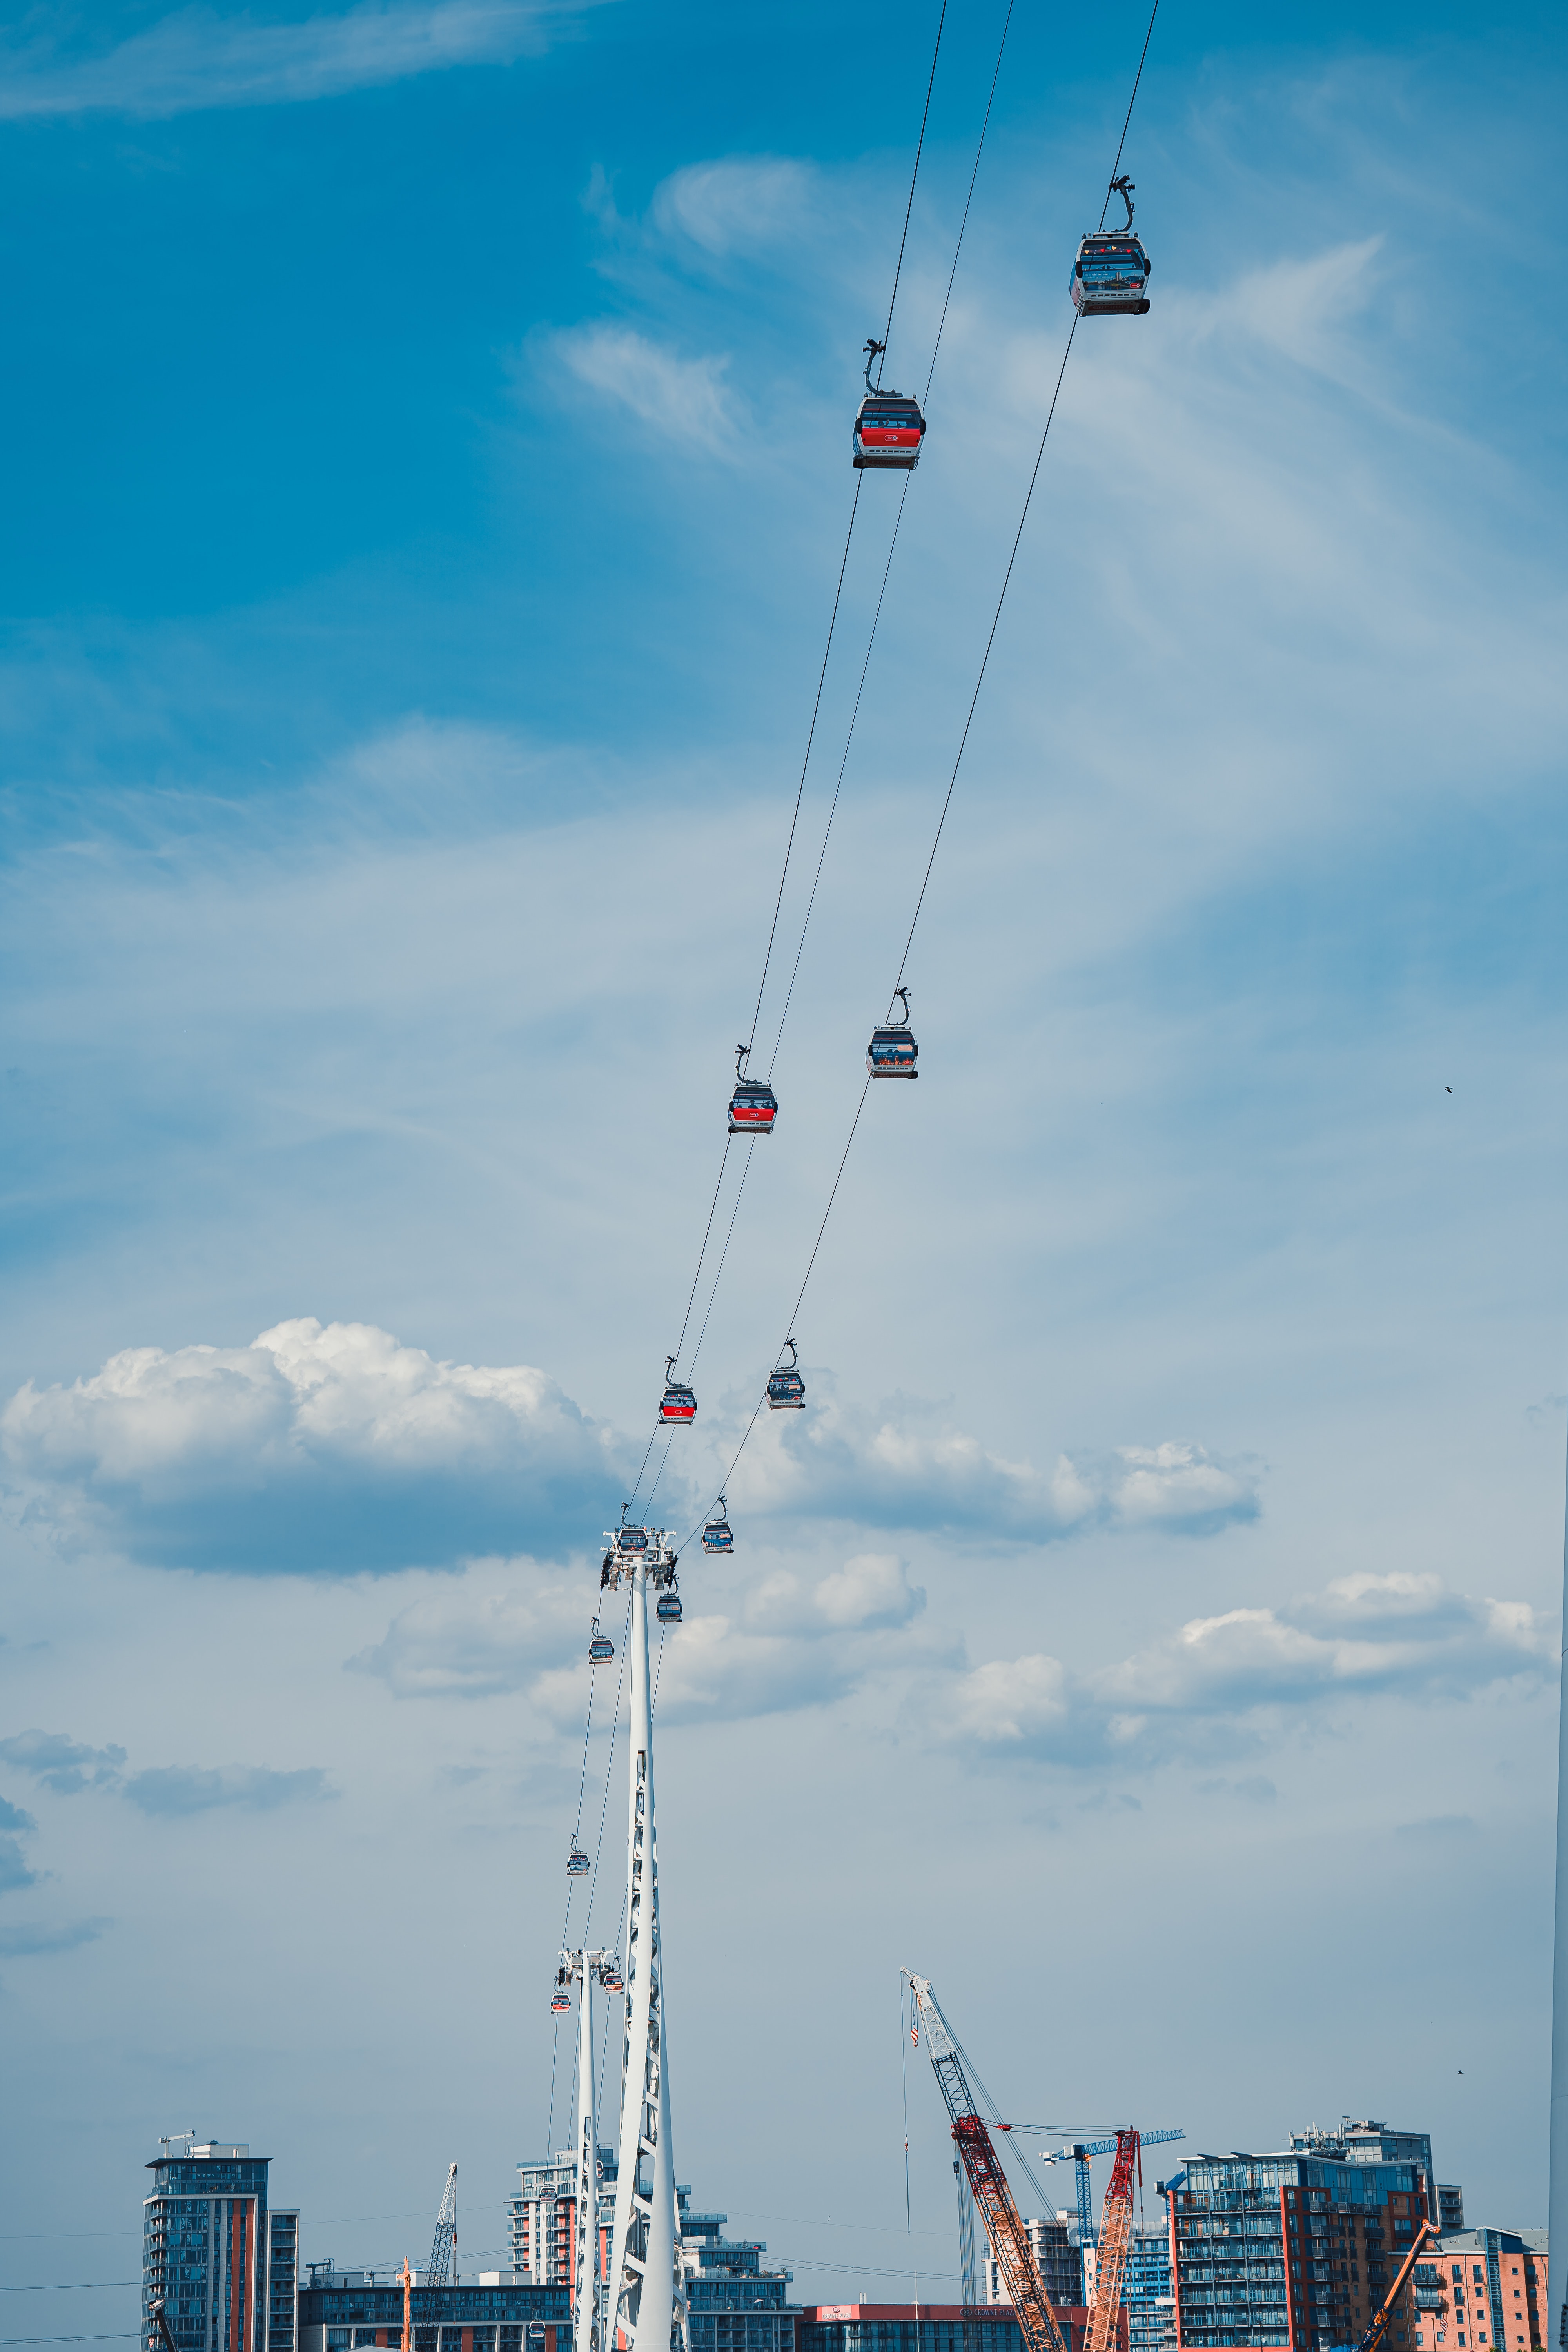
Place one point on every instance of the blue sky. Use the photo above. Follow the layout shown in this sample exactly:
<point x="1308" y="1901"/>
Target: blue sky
<point x="429" y="440"/>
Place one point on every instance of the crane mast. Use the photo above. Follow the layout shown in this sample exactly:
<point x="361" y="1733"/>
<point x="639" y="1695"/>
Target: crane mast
<point x="443" y="2244"/>
<point x="987" y="2181"/>
<point x="1115" y="2230"/>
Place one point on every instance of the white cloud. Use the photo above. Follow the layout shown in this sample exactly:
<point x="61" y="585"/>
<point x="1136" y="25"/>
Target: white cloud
<point x="1217" y="1680"/>
<point x="319" y="1448"/>
<point x="739" y="203"/>
<point x="195" y="58"/>
<point x="901" y="1466"/>
<point x="790" y="1642"/>
<point x="684" y="400"/>
<point x="178" y="1789"/>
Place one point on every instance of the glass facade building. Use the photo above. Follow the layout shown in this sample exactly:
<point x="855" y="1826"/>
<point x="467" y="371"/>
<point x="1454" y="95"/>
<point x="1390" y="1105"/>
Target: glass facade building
<point x="340" y="2310"/>
<point x="1291" y="2249"/>
<point x="220" y="2259"/>
<point x="738" y="2303"/>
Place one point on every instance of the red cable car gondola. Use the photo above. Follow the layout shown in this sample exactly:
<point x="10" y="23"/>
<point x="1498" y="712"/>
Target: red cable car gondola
<point x="679" y="1404"/>
<point x="754" y="1107"/>
<point x="888" y="427"/>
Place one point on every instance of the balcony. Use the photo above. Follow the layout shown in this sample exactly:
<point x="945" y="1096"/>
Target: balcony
<point x="1429" y="2298"/>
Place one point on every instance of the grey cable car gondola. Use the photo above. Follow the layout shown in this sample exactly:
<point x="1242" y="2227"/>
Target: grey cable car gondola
<point x="679" y="1404"/>
<point x="892" y="1052"/>
<point x="717" y="1533"/>
<point x="612" y="1980"/>
<point x="668" y="1611"/>
<point x="787" y="1389"/>
<point x="577" y="1863"/>
<point x="1111" y="275"/>
<point x="631" y="1543"/>
<point x="889" y="427"/>
<point x="560" y="2003"/>
<point x="601" y="1649"/>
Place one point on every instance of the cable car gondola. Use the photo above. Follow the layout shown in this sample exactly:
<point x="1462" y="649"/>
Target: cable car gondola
<point x="888" y="427"/>
<point x="754" y="1105"/>
<point x="612" y="1980"/>
<point x="577" y="1863"/>
<point x="787" y="1389"/>
<point x="892" y="1052"/>
<point x="679" y="1404"/>
<point x="631" y="1543"/>
<point x="1110" y="276"/>
<point x="601" y="1649"/>
<point x="560" y="2003"/>
<point x="668" y="1611"/>
<point x="718" y="1534"/>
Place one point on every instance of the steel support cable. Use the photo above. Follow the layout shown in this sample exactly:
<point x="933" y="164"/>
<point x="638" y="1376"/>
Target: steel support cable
<point x="609" y="1767"/>
<point x="704" y="1251"/>
<point x="843" y="764"/>
<point x="914" y="175"/>
<point x="800" y="1294"/>
<point x="722" y="1255"/>
<point x="826" y="653"/>
<point x="969" y="199"/>
<point x="1023" y="519"/>
<point x="952" y="780"/>
<point x="930" y="372"/>
<point x="810" y="740"/>
<point x="984" y="661"/>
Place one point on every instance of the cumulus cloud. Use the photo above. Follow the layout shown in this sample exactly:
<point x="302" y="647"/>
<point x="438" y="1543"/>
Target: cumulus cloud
<point x="13" y="1870"/>
<point x="684" y="400"/>
<point x="903" y="1466"/>
<point x="790" y="1642"/>
<point x="1218" y="1682"/>
<point x="65" y="1765"/>
<point x="195" y="57"/>
<point x="317" y="1449"/>
<point x="180" y="1789"/>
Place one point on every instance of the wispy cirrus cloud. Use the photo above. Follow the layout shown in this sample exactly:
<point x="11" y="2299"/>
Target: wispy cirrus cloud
<point x="1218" y="1684"/>
<point x="29" y="1942"/>
<point x="318" y="1449"/>
<point x="180" y="1789"/>
<point x="195" y="57"/>
<point x="681" y="400"/>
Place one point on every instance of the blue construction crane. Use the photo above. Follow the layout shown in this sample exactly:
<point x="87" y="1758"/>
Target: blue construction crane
<point x="1079" y="2151"/>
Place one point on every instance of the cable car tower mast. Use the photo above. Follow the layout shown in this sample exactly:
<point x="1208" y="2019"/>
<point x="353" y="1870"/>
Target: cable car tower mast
<point x="587" y="1969"/>
<point x="644" y="2296"/>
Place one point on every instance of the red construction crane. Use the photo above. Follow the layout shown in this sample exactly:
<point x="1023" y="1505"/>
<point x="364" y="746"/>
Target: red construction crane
<point x="1115" y="2232"/>
<point x="987" y="2181"/>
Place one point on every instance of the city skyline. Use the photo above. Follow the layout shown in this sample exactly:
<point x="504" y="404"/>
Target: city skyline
<point x="433" y="466"/>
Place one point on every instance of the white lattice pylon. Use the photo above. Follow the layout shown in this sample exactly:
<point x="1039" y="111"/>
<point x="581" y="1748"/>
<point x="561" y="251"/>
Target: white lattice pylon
<point x="646" y="2296"/>
<point x="587" y="1968"/>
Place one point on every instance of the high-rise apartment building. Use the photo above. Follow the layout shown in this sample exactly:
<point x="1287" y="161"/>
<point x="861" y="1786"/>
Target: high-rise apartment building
<point x="1060" y="2262"/>
<point x="223" y="2263"/>
<point x="1293" y="2249"/>
<point x="1374" y="2143"/>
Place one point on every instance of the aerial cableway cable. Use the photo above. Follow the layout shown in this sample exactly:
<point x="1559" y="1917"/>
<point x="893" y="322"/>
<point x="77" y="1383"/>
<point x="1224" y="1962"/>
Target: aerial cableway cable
<point x="811" y="732"/>
<point x="969" y="719"/>
<point x="898" y="520"/>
